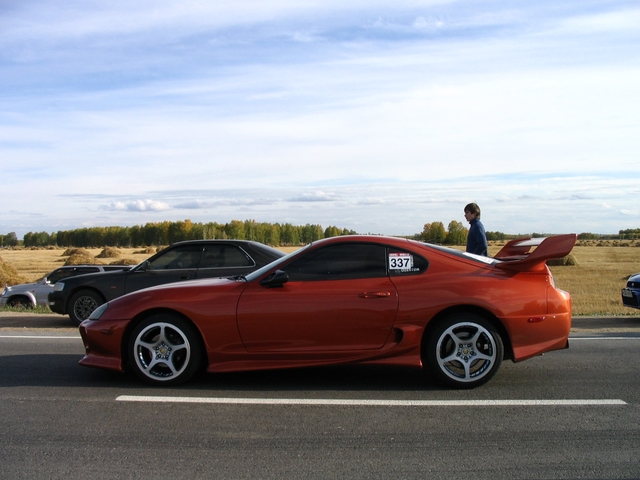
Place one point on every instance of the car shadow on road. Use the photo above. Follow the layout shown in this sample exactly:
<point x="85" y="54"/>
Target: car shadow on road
<point x="62" y="370"/>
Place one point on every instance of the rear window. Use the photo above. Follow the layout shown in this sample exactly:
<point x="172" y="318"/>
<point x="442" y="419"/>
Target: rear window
<point x="402" y="263"/>
<point x="222" y="256"/>
<point x="461" y="254"/>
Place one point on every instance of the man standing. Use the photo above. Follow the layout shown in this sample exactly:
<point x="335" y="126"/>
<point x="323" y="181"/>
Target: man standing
<point x="477" y="238"/>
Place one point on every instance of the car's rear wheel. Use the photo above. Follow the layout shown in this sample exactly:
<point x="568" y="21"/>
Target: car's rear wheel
<point x="464" y="351"/>
<point x="82" y="304"/>
<point x="165" y="350"/>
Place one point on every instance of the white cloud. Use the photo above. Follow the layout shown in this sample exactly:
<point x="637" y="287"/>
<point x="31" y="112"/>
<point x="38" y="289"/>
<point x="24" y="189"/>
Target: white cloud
<point x="138" y="206"/>
<point x="630" y="213"/>
<point x="304" y="111"/>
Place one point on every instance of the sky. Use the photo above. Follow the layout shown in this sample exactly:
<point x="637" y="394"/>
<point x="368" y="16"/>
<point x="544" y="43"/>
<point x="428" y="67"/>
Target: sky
<point x="376" y="116"/>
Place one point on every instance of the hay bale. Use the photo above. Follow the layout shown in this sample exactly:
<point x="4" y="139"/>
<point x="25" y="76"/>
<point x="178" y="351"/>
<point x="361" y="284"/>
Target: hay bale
<point x="568" y="261"/>
<point x="109" y="252"/>
<point x="9" y="275"/>
<point x="73" y="251"/>
<point x="81" y="259"/>
<point x="125" y="261"/>
<point x="146" y="251"/>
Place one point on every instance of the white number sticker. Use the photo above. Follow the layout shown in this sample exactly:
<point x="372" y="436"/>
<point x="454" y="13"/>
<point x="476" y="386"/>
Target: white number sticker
<point x="400" y="261"/>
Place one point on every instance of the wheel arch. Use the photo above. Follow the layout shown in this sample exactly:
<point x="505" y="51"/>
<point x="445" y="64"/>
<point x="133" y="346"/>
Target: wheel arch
<point x="81" y="288"/>
<point x="28" y="296"/>
<point x="462" y="309"/>
<point x="142" y="316"/>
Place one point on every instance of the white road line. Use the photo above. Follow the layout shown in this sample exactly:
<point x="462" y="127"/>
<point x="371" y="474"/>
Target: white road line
<point x="571" y="339"/>
<point x="37" y="336"/>
<point x="364" y="402"/>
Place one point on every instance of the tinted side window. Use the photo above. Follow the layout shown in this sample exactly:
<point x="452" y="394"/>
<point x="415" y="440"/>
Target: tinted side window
<point x="83" y="270"/>
<point x="402" y="263"/>
<point x="184" y="256"/>
<point x="220" y="256"/>
<point x="339" y="262"/>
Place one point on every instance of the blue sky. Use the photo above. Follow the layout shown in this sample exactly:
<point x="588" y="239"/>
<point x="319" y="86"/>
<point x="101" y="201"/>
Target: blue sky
<point x="372" y="115"/>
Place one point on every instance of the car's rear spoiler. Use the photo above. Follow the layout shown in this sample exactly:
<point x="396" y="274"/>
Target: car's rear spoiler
<point x="517" y="254"/>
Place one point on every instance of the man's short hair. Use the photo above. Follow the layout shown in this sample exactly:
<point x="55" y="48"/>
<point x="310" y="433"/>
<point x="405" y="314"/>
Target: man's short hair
<point x="473" y="208"/>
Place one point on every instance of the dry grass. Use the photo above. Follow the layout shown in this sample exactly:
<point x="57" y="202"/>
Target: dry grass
<point x="9" y="274"/>
<point x="34" y="264"/>
<point x="594" y="283"/>
<point x="601" y="269"/>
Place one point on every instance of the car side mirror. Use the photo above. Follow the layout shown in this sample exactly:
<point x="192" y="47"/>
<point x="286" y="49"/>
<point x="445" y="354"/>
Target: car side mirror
<point x="144" y="266"/>
<point x="276" y="279"/>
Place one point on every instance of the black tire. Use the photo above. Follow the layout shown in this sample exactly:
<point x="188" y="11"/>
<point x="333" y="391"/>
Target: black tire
<point x="82" y="304"/>
<point x="463" y="351"/>
<point x="19" y="302"/>
<point x="165" y="350"/>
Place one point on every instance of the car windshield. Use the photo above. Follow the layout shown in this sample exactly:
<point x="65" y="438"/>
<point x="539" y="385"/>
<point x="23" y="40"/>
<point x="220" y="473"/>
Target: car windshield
<point x="258" y="273"/>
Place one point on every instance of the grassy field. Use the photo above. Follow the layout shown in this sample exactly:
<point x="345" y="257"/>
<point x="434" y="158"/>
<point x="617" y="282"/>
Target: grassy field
<point x="594" y="283"/>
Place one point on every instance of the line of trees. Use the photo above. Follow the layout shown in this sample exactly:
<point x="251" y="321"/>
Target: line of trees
<point x="166" y="233"/>
<point x="454" y="234"/>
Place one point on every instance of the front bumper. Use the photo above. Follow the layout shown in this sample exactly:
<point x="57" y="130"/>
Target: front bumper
<point x="57" y="303"/>
<point x="630" y="297"/>
<point x="102" y="343"/>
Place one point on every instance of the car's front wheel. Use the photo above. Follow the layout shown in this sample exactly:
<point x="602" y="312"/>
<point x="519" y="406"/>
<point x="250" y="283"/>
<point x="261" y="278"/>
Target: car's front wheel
<point x="464" y="351"/>
<point x="82" y="304"/>
<point x="165" y="350"/>
<point x="19" y="302"/>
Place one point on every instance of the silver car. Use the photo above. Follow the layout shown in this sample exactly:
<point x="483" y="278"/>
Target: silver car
<point x="32" y="294"/>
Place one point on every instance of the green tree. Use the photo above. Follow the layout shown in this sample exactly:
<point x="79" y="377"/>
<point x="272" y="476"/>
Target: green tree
<point x="434" y="232"/>
<point x="10" y="239"/>
<point x="331" y="231"/>
<point x="289" y="234"/>
<point x="457" y="233"/>
<point x="235" y="229"/>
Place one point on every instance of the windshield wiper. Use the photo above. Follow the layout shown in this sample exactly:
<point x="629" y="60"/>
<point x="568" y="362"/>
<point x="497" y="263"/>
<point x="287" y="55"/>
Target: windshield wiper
<point x="238" y="278"/>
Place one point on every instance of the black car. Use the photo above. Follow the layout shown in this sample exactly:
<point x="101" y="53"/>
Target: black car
<point x="32" y="294"/>
<point x="631" y="293"/>
<point x="79" y="296"/>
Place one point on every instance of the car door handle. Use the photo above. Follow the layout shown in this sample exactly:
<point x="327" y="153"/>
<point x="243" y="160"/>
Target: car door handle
<point x="374" y="294"/>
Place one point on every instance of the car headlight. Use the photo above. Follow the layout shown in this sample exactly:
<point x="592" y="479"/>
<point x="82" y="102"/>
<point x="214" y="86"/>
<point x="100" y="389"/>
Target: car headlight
<point x="97" y="313"/>
<point x="58" y="287"/>
<point x="6" y="290"/>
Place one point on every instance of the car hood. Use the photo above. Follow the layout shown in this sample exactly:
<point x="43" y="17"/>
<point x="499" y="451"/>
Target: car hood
<point x="87" y="277"/>
<point x="23" y="287"/>
<point x="634" y="278"/>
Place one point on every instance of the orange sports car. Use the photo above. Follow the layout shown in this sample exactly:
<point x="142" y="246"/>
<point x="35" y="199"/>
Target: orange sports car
<point x="345" y="300"/>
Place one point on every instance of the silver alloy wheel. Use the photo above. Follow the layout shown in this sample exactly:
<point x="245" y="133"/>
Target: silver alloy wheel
<point x="162" y="352"/>
<point x="467" y="352"/>
<point x="83" y="306"/>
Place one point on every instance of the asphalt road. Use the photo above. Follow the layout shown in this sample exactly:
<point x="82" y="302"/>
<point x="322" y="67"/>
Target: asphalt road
<point x="568" y="414"/>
